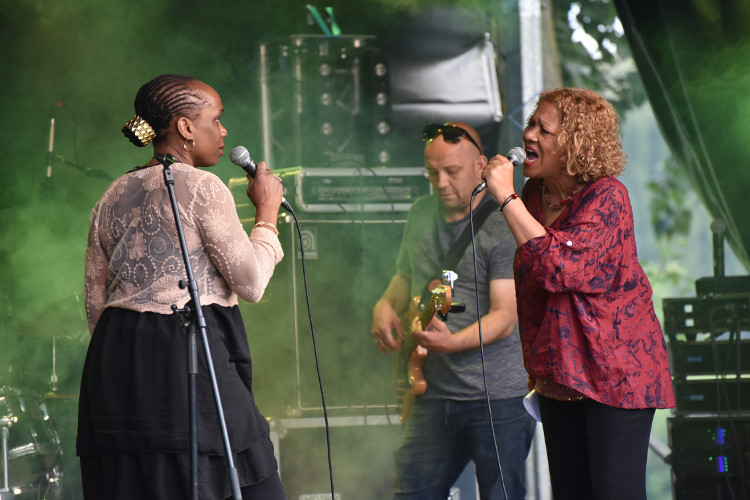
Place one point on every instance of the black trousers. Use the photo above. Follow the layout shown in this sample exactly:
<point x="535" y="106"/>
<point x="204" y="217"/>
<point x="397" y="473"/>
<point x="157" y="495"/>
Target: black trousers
<point x="595" y="451"/>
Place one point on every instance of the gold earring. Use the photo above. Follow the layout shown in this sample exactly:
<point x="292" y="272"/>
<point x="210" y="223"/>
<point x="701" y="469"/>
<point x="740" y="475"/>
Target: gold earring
<point x="192" y="147"/>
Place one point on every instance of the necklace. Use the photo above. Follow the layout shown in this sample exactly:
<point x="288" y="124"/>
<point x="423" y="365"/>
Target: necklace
<point x="563" y="201"/>
<point x="141" y="167"/>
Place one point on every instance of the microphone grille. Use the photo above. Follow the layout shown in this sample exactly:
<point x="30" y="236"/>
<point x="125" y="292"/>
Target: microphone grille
<point x="239" y="155"/>
<point x="517" y="156"/>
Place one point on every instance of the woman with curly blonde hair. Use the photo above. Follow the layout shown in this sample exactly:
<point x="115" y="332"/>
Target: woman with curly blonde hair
<point x="592" y="345"/>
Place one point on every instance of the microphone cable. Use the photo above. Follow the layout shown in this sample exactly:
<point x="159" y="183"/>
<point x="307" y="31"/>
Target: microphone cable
<point x="240" y="156"/>
<point x="315" y="353"/>
<point x="481" y="345"/>
<point x="315" y="350"/>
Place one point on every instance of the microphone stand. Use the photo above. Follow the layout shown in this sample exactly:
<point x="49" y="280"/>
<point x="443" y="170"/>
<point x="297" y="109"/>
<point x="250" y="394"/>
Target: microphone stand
<point x="191" y="315"/>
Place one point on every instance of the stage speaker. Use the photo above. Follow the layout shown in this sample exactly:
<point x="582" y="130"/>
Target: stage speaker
<point x="349" y="260"/>
<point x="443" y="66"/>
<point x="361" y="459"/>
<point x="715" y="394"/>
<point x="708" y="489"/>
<point x="710" y="456"/>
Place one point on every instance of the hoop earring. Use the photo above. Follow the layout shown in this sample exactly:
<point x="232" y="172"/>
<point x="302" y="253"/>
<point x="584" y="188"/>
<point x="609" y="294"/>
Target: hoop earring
<point x="192" y="147"/>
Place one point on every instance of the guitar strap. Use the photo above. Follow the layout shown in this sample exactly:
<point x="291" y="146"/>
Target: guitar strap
<point x="459" y="245"/>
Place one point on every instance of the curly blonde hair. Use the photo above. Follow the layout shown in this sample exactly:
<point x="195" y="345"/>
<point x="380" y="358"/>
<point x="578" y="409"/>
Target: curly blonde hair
<point x="589" y="138"/>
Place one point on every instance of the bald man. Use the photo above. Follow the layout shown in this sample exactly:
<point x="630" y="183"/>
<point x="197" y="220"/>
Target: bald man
<point x="448" y="425"/>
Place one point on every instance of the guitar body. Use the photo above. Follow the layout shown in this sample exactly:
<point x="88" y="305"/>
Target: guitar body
<point x="409" y="361"/>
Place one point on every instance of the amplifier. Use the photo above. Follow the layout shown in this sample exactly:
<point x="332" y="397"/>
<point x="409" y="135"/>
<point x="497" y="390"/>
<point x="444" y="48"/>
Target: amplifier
<point x="710" y="357"/>
<point x="345" y="190"/>
<point x="713" y="488"/>
<point x="710" y="459"/>
<point x="685" y="318"/>
<point x="355" y="440"/>
<point x="722" y="285"/>
<point x="716" y="394"/>
<point x="701" y="464"/>
<point x="707" y="335"/>
<point x="710" y="434"/>
<point x="331" y="190"/>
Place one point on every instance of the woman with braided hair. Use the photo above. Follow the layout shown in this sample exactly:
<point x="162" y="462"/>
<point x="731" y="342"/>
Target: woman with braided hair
<point x="133" y="427"/>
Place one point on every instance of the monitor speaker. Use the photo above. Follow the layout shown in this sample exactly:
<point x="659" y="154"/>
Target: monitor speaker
<point x="349" y="261"/>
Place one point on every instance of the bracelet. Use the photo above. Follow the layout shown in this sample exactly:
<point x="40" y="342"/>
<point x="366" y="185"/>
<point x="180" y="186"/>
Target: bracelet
<point x="508" y="200"/>
<point x="268" y="225"/>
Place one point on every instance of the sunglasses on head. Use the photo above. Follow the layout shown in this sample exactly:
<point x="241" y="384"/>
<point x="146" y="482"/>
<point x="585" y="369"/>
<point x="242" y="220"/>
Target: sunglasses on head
<point x="451" y="133"/>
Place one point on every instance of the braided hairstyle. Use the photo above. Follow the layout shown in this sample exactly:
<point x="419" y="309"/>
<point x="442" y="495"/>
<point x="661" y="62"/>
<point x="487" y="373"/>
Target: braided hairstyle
<point x="161" y="100"/>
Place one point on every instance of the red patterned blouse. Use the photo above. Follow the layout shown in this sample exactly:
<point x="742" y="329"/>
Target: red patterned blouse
<point x="585" y="311"/>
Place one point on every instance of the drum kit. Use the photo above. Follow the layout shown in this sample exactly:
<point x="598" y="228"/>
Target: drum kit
<point x="34" y="459"/>
<point x="31" y="447"/>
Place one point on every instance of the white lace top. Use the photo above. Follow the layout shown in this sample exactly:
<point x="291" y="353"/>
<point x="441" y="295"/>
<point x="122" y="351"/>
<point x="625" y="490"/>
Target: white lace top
<point x="133" y="258"/>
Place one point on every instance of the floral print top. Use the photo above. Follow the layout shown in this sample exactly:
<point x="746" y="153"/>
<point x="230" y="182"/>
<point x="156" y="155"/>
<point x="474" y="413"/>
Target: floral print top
<point x="133" y="257"/>
<point x="585" y="310"/>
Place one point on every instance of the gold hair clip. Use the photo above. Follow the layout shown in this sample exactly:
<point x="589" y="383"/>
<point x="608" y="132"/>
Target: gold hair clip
<point x="138" y="128"/>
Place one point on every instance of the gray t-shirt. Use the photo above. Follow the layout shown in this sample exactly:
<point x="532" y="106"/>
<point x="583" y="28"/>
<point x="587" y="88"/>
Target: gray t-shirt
<point x="427" y="239"/>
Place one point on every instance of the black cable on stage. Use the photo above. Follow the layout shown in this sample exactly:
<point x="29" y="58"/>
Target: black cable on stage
<point x="240" y="156"/>
<point x="315" y="352"/>
<point x="721" y="371"/>
<point x="481" y="345"/>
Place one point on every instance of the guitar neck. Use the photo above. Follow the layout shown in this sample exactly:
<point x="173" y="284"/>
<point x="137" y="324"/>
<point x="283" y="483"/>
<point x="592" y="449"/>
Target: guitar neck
<point x="436" y="303"/>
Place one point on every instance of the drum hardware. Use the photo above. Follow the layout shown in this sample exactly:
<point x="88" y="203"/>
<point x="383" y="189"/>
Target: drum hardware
<point x="53" y="380"/>
<point x="5" y="422"/>
<point x="32" y="451"/>
<point x="48" y="487"/>
<point x="53" y="377"/>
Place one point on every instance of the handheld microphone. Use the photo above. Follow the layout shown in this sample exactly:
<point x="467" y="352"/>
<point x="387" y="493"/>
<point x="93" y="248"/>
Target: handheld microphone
<point x="240" y="156"/>
<point x="515" y="155"/>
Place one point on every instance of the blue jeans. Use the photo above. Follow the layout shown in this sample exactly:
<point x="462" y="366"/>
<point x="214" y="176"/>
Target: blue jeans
<point x="441" y="437"/>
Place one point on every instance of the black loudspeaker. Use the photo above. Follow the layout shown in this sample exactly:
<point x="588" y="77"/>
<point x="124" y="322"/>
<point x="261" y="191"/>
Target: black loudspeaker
<point x="443" y="66"/>
<point x="349" y="260"/>
<point x="710" y="456"/>
<point x="361" y="457"/>
<point x="718" y="394"/>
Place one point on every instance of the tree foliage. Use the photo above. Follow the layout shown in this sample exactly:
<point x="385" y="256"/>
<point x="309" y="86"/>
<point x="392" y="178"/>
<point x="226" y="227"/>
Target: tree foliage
<point x="595" y="53"/>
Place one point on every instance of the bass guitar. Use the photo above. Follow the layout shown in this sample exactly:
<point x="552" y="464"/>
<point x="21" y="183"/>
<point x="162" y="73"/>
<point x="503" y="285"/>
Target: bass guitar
<point x="408" y="362"/>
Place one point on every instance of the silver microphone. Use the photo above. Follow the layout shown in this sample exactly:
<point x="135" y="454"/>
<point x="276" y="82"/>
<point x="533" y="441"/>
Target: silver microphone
<point x="240" y="156"/>
<point x="516" y="156"/>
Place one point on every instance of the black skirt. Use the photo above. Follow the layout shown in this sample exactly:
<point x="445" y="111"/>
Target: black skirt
<point x="133" y="410"/>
